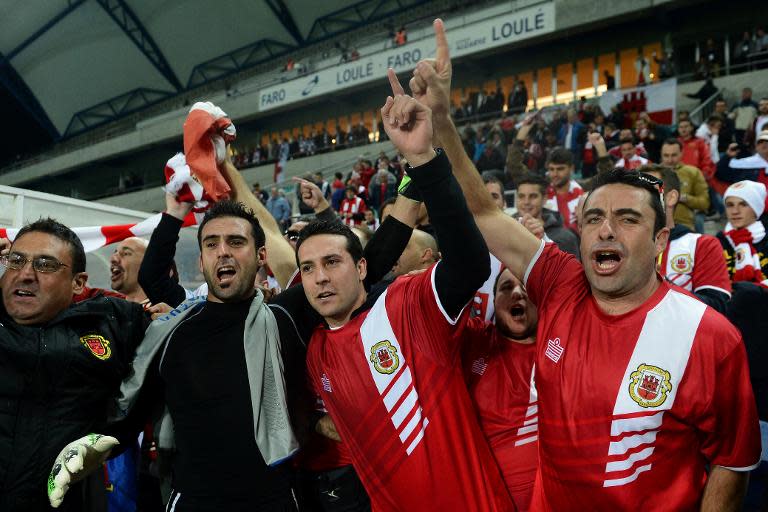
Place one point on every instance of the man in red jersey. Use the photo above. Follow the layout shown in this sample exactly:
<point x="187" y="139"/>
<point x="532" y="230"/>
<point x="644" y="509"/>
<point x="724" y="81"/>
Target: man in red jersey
<point x="498" y="367"/>
<point x="388" y="367"/>
<point x="644" y="393"/>
<point x="692" y="261"/>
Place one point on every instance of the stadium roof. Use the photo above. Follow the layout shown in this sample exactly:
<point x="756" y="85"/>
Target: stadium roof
<point x="59" y="58"/>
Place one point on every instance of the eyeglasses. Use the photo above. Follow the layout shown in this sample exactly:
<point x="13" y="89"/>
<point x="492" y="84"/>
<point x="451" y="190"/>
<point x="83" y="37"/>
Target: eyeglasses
<point x="292" y="235"/>
<point x="44" y="264"/>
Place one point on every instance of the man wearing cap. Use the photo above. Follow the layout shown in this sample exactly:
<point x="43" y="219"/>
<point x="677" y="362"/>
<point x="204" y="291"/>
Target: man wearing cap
<point x="754" y="168"/>
<point x="743" y="239"/>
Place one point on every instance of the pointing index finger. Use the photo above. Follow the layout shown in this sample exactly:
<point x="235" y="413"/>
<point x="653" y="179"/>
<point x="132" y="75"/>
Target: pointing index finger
<point x="441" y="55"/>
<point x="397" y="89"/>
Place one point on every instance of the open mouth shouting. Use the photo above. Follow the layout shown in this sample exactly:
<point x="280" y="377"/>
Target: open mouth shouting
<point x="225" y="274"/>
<point x="606" y="261"/>
<point x="116" y="272"/>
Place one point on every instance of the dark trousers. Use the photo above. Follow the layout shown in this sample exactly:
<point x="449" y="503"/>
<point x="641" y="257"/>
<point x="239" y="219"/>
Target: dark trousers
<point x="337" y="490"/>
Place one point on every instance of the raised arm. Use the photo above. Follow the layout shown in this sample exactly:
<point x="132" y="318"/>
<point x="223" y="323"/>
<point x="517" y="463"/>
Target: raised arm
<point x="280" y="255"/>
<point x="154" y="276"/>
<point x="507" y="239"/>
<point x="465" y="263"/>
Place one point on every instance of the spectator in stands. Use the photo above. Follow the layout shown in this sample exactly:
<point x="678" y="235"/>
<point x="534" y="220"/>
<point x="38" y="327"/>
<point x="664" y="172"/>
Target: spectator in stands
<point x="371" y="222"/>
<point x="322" y="184"/>
<point x="742" y="49"/>
<point x="694" y="192"/>
<point x="643" y="69"/>
<point x="651" y="135"/>
<point x="518" y="98"/>
<point x="531" y="194"/>
<point x="727" y="128"/>
<point x="755" y="167"/>
<point x="563" y="192"/>
<point x="490" y="159"/>
<point x="712" y="54"/>
<point x="352" y="208"/>
<point x="259" y="193"/>
<point x="761" y="40"/>
<point x="401" y="37"/>
<point x="709" y="132"/>
<point x="366" y="172"/>
<point x="695" y="151"/>
<point x="705" y="92"/>
<point x="666" y="66"/>
<point x="323" y="140"/>
<point x="630" y="160"/>
<point x="338" y="182"/>
<point x="690" y="260"/>
<point x="383" y="186"/>
<point x="760" y="124"/>
<point x="610" y="81"/>
<point x="743" y="114"/>
<point x="279" y="208"/>
<point x="743" y="238"/>
<point x="572" y="136"/>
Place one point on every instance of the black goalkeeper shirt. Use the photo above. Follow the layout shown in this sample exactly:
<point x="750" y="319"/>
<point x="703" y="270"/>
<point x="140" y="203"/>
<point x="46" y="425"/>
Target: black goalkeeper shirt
<point x="207" y="394"/>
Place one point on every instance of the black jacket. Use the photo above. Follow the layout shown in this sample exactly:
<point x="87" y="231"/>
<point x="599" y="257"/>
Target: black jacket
<point x="56" y="381"/>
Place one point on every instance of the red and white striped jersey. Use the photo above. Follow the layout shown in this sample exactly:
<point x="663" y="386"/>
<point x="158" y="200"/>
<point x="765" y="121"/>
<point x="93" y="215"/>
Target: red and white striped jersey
<point x="500" y="377"/>
<point x="695" y="262"/>
<point x="633" y="407"/>
<point x="566" y="203"/>
<point x="351" y="206"/>
<point x="392" y="381"/>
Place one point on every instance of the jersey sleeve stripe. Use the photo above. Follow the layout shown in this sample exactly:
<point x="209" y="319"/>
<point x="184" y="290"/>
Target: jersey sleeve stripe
<point x="450" y="320"/>
<point x="707" y="286"/>
<point x="533" y="262"/>
<point x="741" y="470"/>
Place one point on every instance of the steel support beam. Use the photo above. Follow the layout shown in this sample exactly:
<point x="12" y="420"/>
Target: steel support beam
<point x="286" y="19"/>
<point x="73" y="5"/>
<point x="16" y="86"/>
<point x="114" y="109"/>
<point x="119" y="11"/>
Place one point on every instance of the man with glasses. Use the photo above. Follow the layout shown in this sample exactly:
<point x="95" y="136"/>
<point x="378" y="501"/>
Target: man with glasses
<point x="644" y="393"/>
<point x="57" y="361"/>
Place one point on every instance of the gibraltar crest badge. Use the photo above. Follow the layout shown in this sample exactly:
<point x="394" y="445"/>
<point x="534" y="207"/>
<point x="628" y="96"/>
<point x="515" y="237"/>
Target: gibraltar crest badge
<point x="384" y="357"/>
<point x="649" y="385"/>
<point x="98" y="345"/>
<point x="681" y="263"/>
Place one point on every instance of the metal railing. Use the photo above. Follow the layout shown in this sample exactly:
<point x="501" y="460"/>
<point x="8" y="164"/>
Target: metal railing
<point x="707" y="107"/>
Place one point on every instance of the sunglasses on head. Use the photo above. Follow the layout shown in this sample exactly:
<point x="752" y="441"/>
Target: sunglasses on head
<point x="292" y="235"/>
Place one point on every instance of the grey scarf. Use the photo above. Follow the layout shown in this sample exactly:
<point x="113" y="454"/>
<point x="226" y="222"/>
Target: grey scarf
<point x="271" y="423"/>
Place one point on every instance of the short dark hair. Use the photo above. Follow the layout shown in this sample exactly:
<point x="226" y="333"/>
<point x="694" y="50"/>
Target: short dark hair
<point x="673" y="141"/>
<point x="490" y="178"/>
<point x="324" y="227"/>
<point x="534" y="179"/>
<point x="55" y="228"/>
<point x="714" y="118"/>
<point x="637" y="180"/>
<point x="228" y="208"/>
<point x="560" y="156"/>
